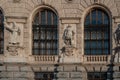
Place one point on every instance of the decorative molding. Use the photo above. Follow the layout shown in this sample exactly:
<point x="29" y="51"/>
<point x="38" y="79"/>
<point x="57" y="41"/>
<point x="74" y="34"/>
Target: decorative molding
<point x="16" y="1"/>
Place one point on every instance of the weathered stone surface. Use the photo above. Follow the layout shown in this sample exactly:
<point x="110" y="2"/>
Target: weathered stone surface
<point x="63" y="74"/>
<point x="19" y="79"/>
<point x="76" y="74"/>
<point x="69" y="68"/>
<point x="77" y="79"/>
<point x="116" y="74"/>
<point x="26" y="68"/>
<point x="116" y="68"/>
<point x="6" y="74"/>
<point x="51" y="68"/>
<point x="80" y="68"/>
<point x="59" y="68"/>
<point x="12" y="68"/>
<point x="2" y="68"/>
<point x="20" y="74"/>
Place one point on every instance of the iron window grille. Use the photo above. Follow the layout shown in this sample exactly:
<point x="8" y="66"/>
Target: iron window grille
<point x="45" y="33"/>
<point x="97" y="33"/>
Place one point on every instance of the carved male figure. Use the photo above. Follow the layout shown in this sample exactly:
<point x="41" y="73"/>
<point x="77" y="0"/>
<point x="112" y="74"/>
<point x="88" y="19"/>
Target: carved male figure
<point x="117" y="35"/>
<point x="15" y="32"/>
<point x="68" y="36"/>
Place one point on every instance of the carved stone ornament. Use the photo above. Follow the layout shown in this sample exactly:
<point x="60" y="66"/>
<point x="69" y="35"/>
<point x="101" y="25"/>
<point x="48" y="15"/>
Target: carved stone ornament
<point x="69" y="1"/>
<point x="13" y="50"/>
<point x="69" y="51"/>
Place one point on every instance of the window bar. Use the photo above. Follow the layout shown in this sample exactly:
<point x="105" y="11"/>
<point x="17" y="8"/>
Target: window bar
<point x="46" y="26"/>
<point x="52" y="17"/>
<point x="39" y="41"/>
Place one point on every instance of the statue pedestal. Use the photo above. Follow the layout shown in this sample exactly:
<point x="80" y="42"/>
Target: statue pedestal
<point x="70" y="55"/>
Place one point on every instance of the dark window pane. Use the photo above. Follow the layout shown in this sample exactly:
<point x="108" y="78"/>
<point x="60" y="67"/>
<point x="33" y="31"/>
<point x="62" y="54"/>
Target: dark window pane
<point x="43" y="17"/>
<point x="94" y="17"/>
<point x="1" y="33"/>
<point x="44" y="75"/>
<point x="87" y="21"/>
<point x="99" y="17"/>
<point x="97" y="76"/>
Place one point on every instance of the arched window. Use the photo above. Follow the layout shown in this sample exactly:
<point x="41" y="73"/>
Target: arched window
<point x="97" y="33"/>
<point x="45" y="33"/>
<point x="1" y="33"/>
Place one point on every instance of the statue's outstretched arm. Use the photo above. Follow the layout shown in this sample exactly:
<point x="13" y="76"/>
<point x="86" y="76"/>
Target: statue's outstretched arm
<point x="7" y="26"/>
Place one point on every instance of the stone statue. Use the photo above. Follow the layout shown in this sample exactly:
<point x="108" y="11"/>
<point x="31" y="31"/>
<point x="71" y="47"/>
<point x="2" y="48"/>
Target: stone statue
<point x="15" y="33"/>
<point x="68" y="36"/>
<point x="117" y="35"/>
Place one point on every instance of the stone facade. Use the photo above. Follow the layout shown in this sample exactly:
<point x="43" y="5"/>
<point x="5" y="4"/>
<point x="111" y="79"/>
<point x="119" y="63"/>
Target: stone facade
<point x="71" y="12"/>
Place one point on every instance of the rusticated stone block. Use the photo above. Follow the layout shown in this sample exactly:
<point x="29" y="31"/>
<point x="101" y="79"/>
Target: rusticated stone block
<point x="19" y="79"/>
<point x="20" y="74"/>
<point x="77" y="79"/>
<point x="51" y="68"/>
<point x="116" y="68"/>
<point x="26" y="68"/>
<point x="63" y="75"/>
<point x="36" y="68"/>
<point x="76" y="74"/>
<point x="6" y="74"/>
<point x="2" y="68"/>
<point x="4" y="79"/>
<point x="80" y="68"/>
<point x="62" y="79"/>
<point x="59" y="68"/>
<point x="12" y="68"/>
<point x="30" y="75"/>
<point x="116" y="74"/>
<point x="70" y="68"/>
<point x="44" y="68"/>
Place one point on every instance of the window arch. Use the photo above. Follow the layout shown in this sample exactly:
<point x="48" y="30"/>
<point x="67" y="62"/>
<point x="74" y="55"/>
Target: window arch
<point x="45" y="33"/>
<point x="1" y="33"/>
<point x="97" y="33"/>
